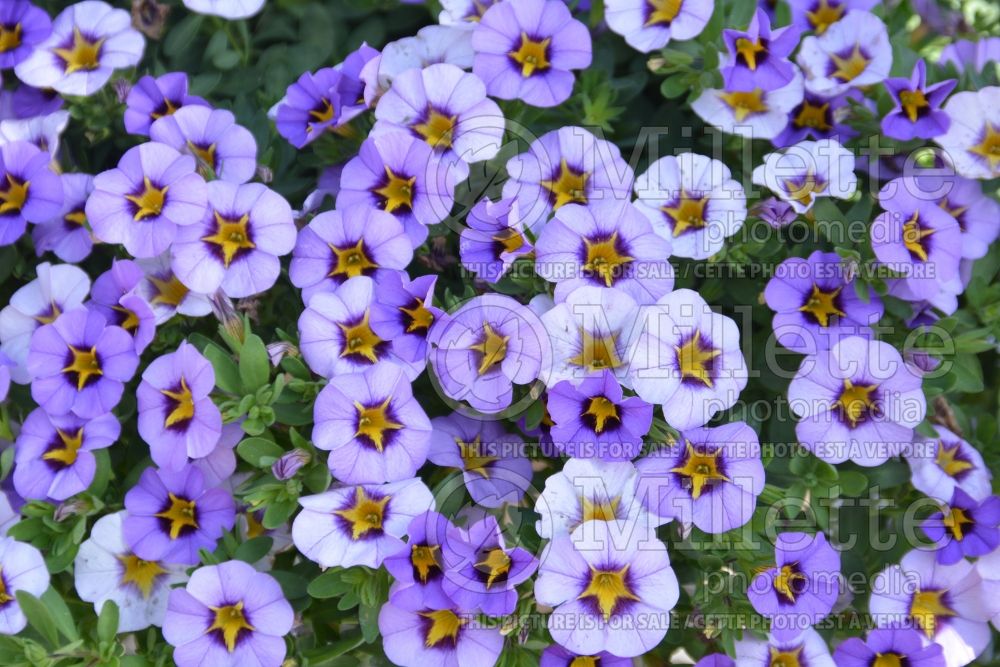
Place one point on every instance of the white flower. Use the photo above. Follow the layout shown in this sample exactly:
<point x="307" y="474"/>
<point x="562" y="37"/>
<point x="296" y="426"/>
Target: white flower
<point x="42" y="131"/>
<point x="854" y="51"/>
<point x="755" y="114"/>
<point x="808" y="170"/>
<point x="227" y="9"/>
<point x="972" y="142"/>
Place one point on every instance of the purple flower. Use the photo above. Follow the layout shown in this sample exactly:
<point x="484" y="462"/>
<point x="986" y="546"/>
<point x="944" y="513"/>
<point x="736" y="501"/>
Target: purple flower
<point x="313" y="105"/>
<point x="757" y="114"/>
<point x="972" y="143"/>
<point x="807" y="170"/>
<point x="614" y="580"/>
<point x="338" y="245"/>
<point x="917" y="113"/>
<point x="166" y="293"/>
<point x="26" y="102"/>
<point x="448" y="109"/>
<point x="481" y="572"/>
<point x="493" y="239"/>
<point x="171" y="515"/>
<point x="964" y="527"/>
<point x="818" y="15"/>
<point x="142" y="201"/>
<point x="401" y="175"/>
<point x="79" y="363"/>
<point x="526" y="49"/>
<point x="437" y="637"/>
<point x="609" y="243"/>
<point x="807" y="649"/>
<point x="153" y="98"/>
<point x="418" y="567"/>
<point x="916" y="238"/>
<point x="405" y="313"/>
<point x="493" y="462"/>
<point x="565" y="166"/>
<point x="819" y="117"/>
<point x="711" y="477"/>
<point x="775" y="212"/>
<point x="66" y="234"/>
<point x="373" y="427"/>
<point x="801" y="588"/>
<point x="177" y="417"/>
<point x="891" y="646"/>
<point x="227" y="615"/>
<point x="854" y="51"/>
<point x="237" y="243"/>
<point x="649" y="26"/>
<point x="6" y="364"/>
<point x="114" y="297"/>
<point x="29" y="190"/>
<point x="594" y="420"/>
<point x="485" y="347"/>
<point x="940" y="466"/>
<point x="54" y="455"/>
<point x="758" y="58"/>
<point x="23" y="570"/>
<point x="358" y="525"/>
<point x="557" y="656"/>
<point x="716" y="660"/>
<point x="228" y="9"/>
<point x="289" y="464"/>
<point x="977" y="215"/>
<point x="22" y="27"/>
<point x="816" y="304"/>
<point x="213" y="138"/>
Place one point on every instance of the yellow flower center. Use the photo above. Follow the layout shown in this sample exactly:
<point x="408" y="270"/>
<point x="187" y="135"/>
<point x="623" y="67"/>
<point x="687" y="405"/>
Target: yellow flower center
<point x="204" y="154"/>
<point x="437" y="129"/>
<point x="324" y="112"/>
<point x="851" y="66"/>
<point x="181" y="515"/>
<point x="168" y="109"/>
<point x="83" y="56"/>
<point x="148" y="203"/>
<point x="748" y="50"/>
<point x="913" y="101"/>
<point x="129" y="321"/>
<point x="510" y="240"/>
<point x="602" y="411"/>
<point x="597" y="352"/>
<point x="421" y="318"/>
<point x="602" y="510"/>
<point x="694" y="359"/>
<point x="954" y="211"/>
<point x="822" y="305"/>
<point x="424" y="559"/>
<point x="365" y="515"/>
<point x="609" y="589"/>
<point x="989" y="147"/>
<point x="789" y="658"/>
<point x="856" y="401"/>
<point x="687" y="214"/>
<point x="444" y="627"/>
<point x="65" y="451"/>
<point x="569" y="187"/>
<point x="85" y="365"/>
<point x="947" y="460"/>
<point x="926" y="608"/>
<point x="231" y="236"/>
<point x="887" y="660"/>
<point x="10" y="37"/>
<point x="359" y="339"/>
<point x="397" y="192"/>
<point x="662" y="12"/>
<point x="49" y="316"/>
<point x="604" y="258"/>
<point x="814" y="116"/>
<point x="14" y="196"/>
<point x="473" y="458"/>
<point x="495" y="565"/>
<point x="955" y="520"/>
<point x="914" y="235"/>
<point x="142" y="573"/>
<point x="352" y="261"/>
<point x="169" y="292"/>
<point x="230" y="622"/>
<point x="5" y="595"/>
<point x="787" y="581"/>
<point x="374" y="423"/>
<point x="824" y="15"/>
<point x="804" y="190"/>
<point x="743" y="103"/>
<point x="532" y="55"/>
<point x="701" y="468"/>
<point x="492" y="348"/>
<point x="183" y="405"/>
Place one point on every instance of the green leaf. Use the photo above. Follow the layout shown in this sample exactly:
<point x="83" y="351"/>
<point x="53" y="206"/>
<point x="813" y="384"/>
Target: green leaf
<point x="675" y="86"/>
<point x="181" y="36"/>
<point x="328" y="585"/>
<point x="107" y="622"/>
<point x="259" y="452"/>
<point x="852" y="483"/>
<point x="39" y="617"/>
<point x="61" y="614"/>
<point x="368" y="620"/>
<point x="277" y="514"/>
<point x="227" y="377"/>
<point x="255" y="369"/>
<point x="254" y="549"/>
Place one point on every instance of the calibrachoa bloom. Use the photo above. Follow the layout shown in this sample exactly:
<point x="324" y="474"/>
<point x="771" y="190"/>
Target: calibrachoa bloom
<point x="312" y="106"/>
<point x="917" y="113"/>
<point x="404" y="313"/>
<point x="432" y="44"/>
<point x="819" y="117"/>
<point x="237" y="243"/>
<point x="227" y="9"/>
<point x="526" y="49"/>
<point x="565" y="166"/>
<point x="808" y="649"/>
<point x="854" y="51"/>
<point x="485" y="347"/>
<point x="494" y="465"/>
<point x="105" y="569"/>
<point x="417" y="566"/>
<point x="648" y="25"/>
<point x="25" y="26"/>
<point x="818" y="15"/>
<point x="437" y="637"/>
<point x="44" y="132"/>
<point x="448" y="109"/>
<point x="710" y="477"/>
<point x="89" y="40"/>
<point x="754" y="114"/>
<point x="228" y="615"/>
<point x="166" y="293"/>
<point x="140" y="203"/>
<point x="481" y="571"/>
<point x="808" y="170"/>
<point x="816" y="303"/>
<point x="858" y="401"/>
<point x="964" y="527"/>
<point x="358" y="525"/>
<point x="114" y="297"/>
<point x="213" y="137"/>
<point x="79" y="363"/>
<point x="758" y="57"/>
<point x="595" y="420"/>
<point x="29" y="190"/>
<point x="943" y="602"/>
<point x="373" y="427"/>
<point x="153" y="98"/>
<point x="801" y="588"/>
<point x="895" y="646"/>
<point x="171" y="515"/>
<point x="693" y="201"/>
<point x="608" y="243"/>
<point x="401" y="175"/>
<point x="54" y="457"/>
<point x="338" y="245"/>
<point x="977" y="215"/>
<point x="66" y="233"/>
<point x="612" y="588"/>
<point x="972" y="142"/>
<point x="687" y="358"/>
<point x="494" y="239"/>
<point x="177" y="417"/>
<point x="57" y="289"/>
<point x="715" y="660"/>
<point x="23" y="569"/>
<point x="941" y="465"/>
<point x="589" y="490"/>
<point x="557" y="656"/>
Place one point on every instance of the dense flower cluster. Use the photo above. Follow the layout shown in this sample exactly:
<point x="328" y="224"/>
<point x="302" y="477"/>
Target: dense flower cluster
<point x="475" y="384"/>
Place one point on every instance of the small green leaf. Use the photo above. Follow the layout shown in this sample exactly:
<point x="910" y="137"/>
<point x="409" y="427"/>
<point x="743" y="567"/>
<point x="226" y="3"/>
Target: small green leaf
<point x="259" y="452"/>
<point x="255" y="370"/>
<point x="328" y="585"/>
<point x="227" y="376"/>
<point x="254" y="549"/>
<point x="107" y="622"/>
<point x="852" y="483"/>
<point x="39" y="617"/>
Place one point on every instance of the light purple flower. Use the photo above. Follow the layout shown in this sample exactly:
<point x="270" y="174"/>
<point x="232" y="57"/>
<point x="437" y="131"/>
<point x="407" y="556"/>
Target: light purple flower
<point x="807" y="649"/>
<point x="977" y="215"/>
<point x="23" y="570"/>
<point x="153" y="98"/>
<point x="758" y="57"/>
<point x="855" y="51"/>
<point x="493" y="240"/>
<point x="166" y="293"/>
<point x="649" y="26"/>
<point x="939" y="466"/>
<point x="809" y="169"/>
<point x="114" y="297"/>
<point x="23" y="26"/>
<point x="404" y="314"/>
<point x="557" y="656"/>
<point x="917" y="112"/>
<point x="964" y="528"/>
<point x="901" y="646"/>
<point x="819" y="15"/>
<point x="228" y="9"/>
<point x="66" y="234"/>
<point x="972" y="143"/>
<point x="755" y="114"/>
<point x="54" y="455"/>
<point x="213" y="138"/>
<point x="418" y="567"/>
<point x="29" y="190"/>
<point x="820" y="117"/>
<point x="437" y="637"/>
